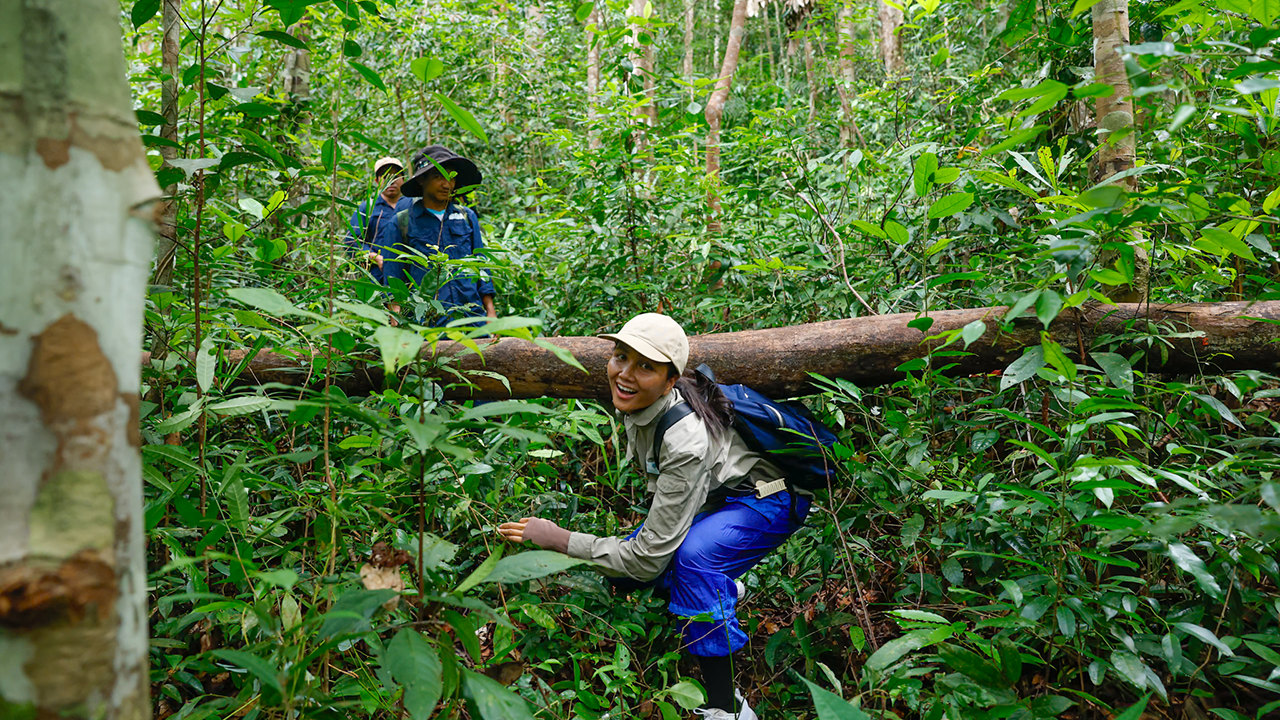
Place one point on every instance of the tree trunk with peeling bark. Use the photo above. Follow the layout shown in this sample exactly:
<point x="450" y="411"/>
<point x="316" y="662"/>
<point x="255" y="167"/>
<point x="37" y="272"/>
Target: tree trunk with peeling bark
<point x="593" y="79"/>
<point x="642" y="57"/>
<point x="73" y="622"/>
<point x="715" y="108"/>
<point x="891" y="21"/>
<point x="865" y="350"/>
<point x="845" y="83"/>
<point x="167" y="213"/>
<point x="690" y="7"/>
<point x="1117" y="139"/>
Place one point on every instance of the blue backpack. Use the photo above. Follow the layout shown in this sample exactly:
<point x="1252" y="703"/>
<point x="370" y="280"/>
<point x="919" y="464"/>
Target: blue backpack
<point x="786" y="434"/>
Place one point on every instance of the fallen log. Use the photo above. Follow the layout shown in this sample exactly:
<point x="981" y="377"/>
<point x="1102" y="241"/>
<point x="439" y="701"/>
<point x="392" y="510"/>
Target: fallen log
<point x="865" y="351"/>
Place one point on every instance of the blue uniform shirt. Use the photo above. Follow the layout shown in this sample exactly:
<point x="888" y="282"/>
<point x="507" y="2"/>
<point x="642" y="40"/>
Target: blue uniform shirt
<point x="459" y="289"/>
<point x="366" y="226"/>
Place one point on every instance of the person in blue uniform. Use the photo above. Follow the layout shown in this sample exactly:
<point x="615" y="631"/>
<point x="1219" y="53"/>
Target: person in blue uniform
<point x="376" y="212"/>
<point x="436" y="224"/>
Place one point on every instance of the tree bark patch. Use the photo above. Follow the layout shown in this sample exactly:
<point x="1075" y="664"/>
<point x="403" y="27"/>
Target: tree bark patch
<point x="69" y="377"/>
<point x="32" y="597"/>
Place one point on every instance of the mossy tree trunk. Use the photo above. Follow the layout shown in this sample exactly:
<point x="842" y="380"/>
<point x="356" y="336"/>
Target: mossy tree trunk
<point x="77" y="197"/>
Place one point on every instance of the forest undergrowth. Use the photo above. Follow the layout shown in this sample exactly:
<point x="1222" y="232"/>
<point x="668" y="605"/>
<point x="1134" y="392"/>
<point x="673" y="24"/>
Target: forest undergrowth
<point x="1075" y="534"/>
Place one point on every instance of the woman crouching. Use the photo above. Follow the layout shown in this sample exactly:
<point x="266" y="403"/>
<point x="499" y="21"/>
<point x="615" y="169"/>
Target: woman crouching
<point x="707" y="524"/>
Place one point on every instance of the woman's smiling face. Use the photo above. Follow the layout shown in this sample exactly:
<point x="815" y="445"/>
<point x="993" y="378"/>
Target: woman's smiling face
<point x="635" y="381"/>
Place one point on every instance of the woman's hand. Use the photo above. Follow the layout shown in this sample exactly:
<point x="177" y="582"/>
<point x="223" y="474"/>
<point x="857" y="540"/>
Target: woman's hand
<point x="513" y="531"/>
<point x="543" y="533"/>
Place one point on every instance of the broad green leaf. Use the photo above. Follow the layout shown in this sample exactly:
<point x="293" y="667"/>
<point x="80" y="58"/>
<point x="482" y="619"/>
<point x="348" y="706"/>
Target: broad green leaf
<point x="1055" y="357"/>
<point x="896" y="232"/>
<point x="949" y="205"/>
<point x="894" y="650"/>
<point x="241" y="405"/>
<point x="875" y="230"/>
<point x="1228" y="242"/>
<point x="1132" y="668"/>
<point x="1024" y="368"/>
<point x="1048" y="305"/>
<point x="831" y="706"/>
<point x="283" y="37"/>
<point x="1186" y="559"/>
<point x="481" y="572"/>
<point x="1010" y="660"/>
<point x="463" y="117"/>
<point x="1218" y="408"/>
<point x="1082" y="6"/>
<point x="1204" y="635"/>
<point x="236" y="501"/>
<point x="398" y="346"/>
<point x="921" y="615"/>
<point x="686" y="694"/>
<point x="973" y="332"/>
<point x="267" y="300"/>
<point x="261" y="669"/>
<point x="351" y="612"/>
<point x="531" y="565"/>
<point x="504" y="407"/>
<point x="206" y="364"/>
<point x="1272" y="201"/>
<point x="1021" y="305"/>
<point x="1066" y="621"/>
<point x="435" y="551"/>
<point x="330" y="154"/>
<point x="922" y="177"/>
<point x="1134" y="711"/>
<point x="493" y="701"/>
<point x="971" y="664"/>
<point x="583" y="11"/>
<point x="143" y="10"/>
<point x="1117" y="368"/>
<point x="368" y="74"/>
<point x="1265" y="12"/>
<point x="413" y="663"/>
<point x="946" y="175"/>
<point x="426" y="69"/>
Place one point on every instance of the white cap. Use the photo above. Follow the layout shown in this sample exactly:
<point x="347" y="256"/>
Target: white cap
<point x="656" y="337"/>
<point x="383" y="162"/>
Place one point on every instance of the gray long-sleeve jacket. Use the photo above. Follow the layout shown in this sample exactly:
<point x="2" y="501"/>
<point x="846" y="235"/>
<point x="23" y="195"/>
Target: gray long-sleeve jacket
<point x="692" y="464"/>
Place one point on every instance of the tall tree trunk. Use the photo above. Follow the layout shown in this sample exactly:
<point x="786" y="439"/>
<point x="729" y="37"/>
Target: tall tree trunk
<point x="166" y="249"/>
<point x="810" y="80"/>
<point x="593" y="80"/>
<point x="715" y="108"/>
<point x="1116" y="131"/>
<point x="642" y="63"/>
<point x="690" y="7"/>
<point x="536" y="32"/>
<point x="846" y="50"/>
<point x="73" y="621"/>
<point x="890" y="41"/>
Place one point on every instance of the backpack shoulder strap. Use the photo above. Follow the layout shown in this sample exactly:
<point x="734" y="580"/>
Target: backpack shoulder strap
<point x="669" y="418"/>
<point x="402" y="222"/>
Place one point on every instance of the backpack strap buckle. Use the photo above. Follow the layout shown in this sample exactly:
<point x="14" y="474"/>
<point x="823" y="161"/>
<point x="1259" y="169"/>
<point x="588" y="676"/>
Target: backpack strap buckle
<point x="765" y="489"/>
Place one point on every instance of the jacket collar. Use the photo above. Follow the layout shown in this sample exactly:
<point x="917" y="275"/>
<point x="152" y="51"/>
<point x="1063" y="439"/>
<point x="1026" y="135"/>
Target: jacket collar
<point x="647" y="416"/>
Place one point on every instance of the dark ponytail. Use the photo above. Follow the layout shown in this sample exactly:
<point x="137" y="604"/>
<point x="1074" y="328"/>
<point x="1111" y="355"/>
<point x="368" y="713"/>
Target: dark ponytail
<point x="708" y="403"/>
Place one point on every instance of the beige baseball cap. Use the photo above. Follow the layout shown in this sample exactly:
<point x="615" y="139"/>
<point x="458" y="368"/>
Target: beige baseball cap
<point x="656" y="337"/>
<point x="383" y="162"/>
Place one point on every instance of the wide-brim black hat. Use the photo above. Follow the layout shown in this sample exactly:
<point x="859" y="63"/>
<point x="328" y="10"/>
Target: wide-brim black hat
<point x="468" y="175"/>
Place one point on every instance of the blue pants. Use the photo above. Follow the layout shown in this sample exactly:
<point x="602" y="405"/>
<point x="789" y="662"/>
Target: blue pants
<point x="721" y="546"/>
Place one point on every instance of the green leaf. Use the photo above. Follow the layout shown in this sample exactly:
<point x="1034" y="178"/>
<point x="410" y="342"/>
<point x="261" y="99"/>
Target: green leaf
<point x="241" y="405"/>
<point x="283" y="37"/>
<point x="583" y="11"/>
<point x="831" y="706"/>
<point x="266" y="300"/>
<point x="921" y="615"/>
<point x="1265" y="11"/>
<point x="1228" y="243"/>
<point x="263" y="670"/>
<point x="1066" y="621"/>
<point x="436" y="551"/>
<point x="896" y="232"/>
<point x="1054" y="356"/>
<point x="1219" y="409"/>
<point x="875" y="230"/>
<point x="463" y="117"/>
<point x="894" y="650"/>
<point x="330" y="154"/>
<point x="943" y="176"/>
<point x="1132" y="668"/>
<point x="481" y="572"/>
<point x="1204" y="635"/>
<point x="1271" y="202"/>
<point x="368" y="74"/>
<point x="493" y="701"/>
<point x="504" y="407"/>
<point x="398" y="346"/>
<point x="1010" y="660"/>
<point x="922" y="177"/>
<point x="412" y="661"/>
<point x="1021" y="305"/>
<point x="1186" y="559"/>
<point x="1081" y="6"/>
<point x="1023" y="368"/>
<point x="351" y="48"/>
<point x="426" y="69"/>
<point x="143" y="10"/>
<point x="351" y="613"/>
<point x="686" y="694"/>
<point x="206" y="364"/>
<point x="975" y="666"/>
<point x="1134" y="712"/>
<point x="236" y="500"/>
<point x="1117" y="368"/>
<point x="531" y="565"/>
<point x="1048" y="305"/>
<point x="949" y="205"/>
<point x="973" y="332"/>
